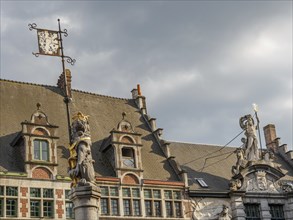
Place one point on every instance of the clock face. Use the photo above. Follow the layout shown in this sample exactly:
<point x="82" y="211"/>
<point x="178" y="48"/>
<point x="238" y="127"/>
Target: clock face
<point x="128" y="162"/>
<point x="48" y="42"/>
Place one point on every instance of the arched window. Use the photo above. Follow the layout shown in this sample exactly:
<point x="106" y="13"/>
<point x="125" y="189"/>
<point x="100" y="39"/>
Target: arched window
<point x="128" y="158"/>
<point x="41" y="150"/>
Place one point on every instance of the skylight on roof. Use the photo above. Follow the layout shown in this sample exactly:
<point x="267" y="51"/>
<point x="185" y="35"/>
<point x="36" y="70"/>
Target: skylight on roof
<point x="201" y="182"/>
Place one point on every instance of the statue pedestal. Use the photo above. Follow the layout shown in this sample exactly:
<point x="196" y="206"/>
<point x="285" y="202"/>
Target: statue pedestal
<point x="86" y="202"/>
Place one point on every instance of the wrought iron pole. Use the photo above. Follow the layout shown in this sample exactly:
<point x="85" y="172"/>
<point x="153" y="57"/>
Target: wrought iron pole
<point x="66" y="98"/>
<point x="259" y="134"/>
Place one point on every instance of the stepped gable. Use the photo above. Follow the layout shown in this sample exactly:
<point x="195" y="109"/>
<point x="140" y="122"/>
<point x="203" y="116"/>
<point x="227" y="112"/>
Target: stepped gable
<point x="18" y="101"/>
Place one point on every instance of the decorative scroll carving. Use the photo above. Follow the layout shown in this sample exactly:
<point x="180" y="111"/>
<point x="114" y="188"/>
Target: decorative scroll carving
<point x="286" y="186"/>
<point x="81" y="168"/>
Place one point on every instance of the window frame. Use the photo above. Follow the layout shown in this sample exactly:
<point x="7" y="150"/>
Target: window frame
<point x="133" y="196"/>
<point x="277" y="211"/>
<point x="39" y="149"/>
<point x="131" y="157"/>
<point x="108" y="198"/>
<point x="32" y="208"/>
<point x="252" y="207"/>
<point x="174" y="198"/>
<point x="46" y="202"/>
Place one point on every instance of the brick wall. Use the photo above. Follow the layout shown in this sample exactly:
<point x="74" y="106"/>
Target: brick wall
<point x="23" y="191"/>
<point x="59" y="193"/>
<point x="41" y="173"/>
<point x="23" y="207"/>
<point x="59" y="209"/>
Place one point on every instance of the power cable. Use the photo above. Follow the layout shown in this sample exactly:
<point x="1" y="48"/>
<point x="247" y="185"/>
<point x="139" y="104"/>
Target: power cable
<point x="214" y="151"/>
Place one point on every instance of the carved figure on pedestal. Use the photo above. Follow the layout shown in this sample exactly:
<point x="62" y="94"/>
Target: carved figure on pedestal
<point x="251" y="147"/>
<point x="81" y="168"/>
<point x="224" y="215"/>
<point x="241" y="162"/>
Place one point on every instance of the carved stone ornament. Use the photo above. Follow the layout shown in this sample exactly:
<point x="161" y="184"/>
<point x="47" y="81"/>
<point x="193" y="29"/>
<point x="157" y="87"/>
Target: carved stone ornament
<point x="286" y="186"/>
<point x="39" y="117"/>
<point x="124" y="125"/>
<point x="259" y="182"/>
<point x="235" y="184"/>
<point x="257" y="178"/>
<point x="81" y="168"/>
<point x="210" y="209"/>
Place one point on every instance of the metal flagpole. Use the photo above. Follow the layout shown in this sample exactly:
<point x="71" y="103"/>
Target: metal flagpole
<point x="66" y="98"/>
<point x="255" y="108"/>
<point x="50" y="43"/>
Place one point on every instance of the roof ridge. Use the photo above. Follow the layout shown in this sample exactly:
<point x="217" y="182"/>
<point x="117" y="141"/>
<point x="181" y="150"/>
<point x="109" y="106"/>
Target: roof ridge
<point x="203" y="144"/>
<point x="106" y="96"/>
<point x="76" y="90"/>
<point x="26" y="83"/>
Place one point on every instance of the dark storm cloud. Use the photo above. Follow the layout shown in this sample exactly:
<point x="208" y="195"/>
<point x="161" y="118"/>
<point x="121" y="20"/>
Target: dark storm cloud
<point x="201" y="63"/>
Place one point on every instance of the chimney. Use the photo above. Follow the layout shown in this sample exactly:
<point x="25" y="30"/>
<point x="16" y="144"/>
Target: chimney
<point x="272" y="142"/>
<point x="134" y="93"/>
<point x="61" y="83"/>
<point x="139" y="99"/>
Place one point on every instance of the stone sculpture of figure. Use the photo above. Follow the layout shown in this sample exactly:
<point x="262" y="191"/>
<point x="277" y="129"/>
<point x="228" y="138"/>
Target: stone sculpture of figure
<point x="81" y="168"/>
<point x="251" y="148"/>
<point x="241" y="162"/>
<point x="224" y="215"/>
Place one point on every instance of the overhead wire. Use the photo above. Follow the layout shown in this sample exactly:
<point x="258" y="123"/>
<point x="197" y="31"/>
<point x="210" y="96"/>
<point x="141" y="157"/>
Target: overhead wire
<point x="230" y="153"/>
<point x="215" y="150"/>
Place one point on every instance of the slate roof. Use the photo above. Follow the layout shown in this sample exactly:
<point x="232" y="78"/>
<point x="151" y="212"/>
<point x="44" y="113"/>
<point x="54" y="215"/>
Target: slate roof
<point x="18" y="101"/>
<point x="216" y="170"/>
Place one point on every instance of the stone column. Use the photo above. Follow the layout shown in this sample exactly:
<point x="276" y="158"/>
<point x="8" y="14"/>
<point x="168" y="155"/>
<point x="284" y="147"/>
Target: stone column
<point x="237" y="206"/>
<point x="265" y="209"/>
<point x="288" y="211"/>
<point x="86" y="202"/>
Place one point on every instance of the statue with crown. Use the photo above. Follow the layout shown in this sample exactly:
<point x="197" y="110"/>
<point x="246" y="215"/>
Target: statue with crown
<point x="255" y="170"/>
<point x="81" y="169"/>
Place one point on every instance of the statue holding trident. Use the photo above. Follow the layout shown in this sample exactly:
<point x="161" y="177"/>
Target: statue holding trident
<point x="81" y="169"/>
<point x="250" y="145"/>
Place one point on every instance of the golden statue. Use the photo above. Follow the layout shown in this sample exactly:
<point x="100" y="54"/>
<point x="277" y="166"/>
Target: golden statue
<point x="81" y="169"/>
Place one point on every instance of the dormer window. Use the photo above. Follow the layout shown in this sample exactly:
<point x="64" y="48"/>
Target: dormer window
<point x="41" y="150"/>
<point x="36" y="146"/>
<point x="122" y="150"/>
<point x="128" y="158"/>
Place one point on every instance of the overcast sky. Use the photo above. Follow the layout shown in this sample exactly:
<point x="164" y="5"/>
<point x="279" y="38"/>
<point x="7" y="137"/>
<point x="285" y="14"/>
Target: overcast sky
<point x="201" y="64"/>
